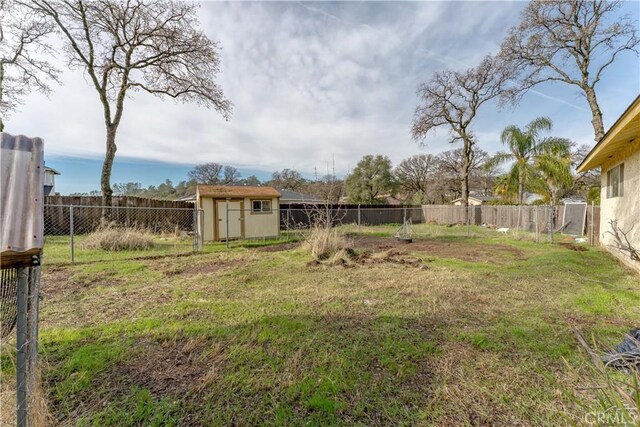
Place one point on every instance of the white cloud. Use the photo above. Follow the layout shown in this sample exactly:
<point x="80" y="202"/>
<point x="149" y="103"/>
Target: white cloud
<point x="309" y="82"/>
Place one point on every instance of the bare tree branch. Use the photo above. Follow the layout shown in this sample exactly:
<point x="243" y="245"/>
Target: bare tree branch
<point x="570" y="41"/>
<point x="23" y="47"/>
<point x="124" y="46"/>
<point x="452" y="99"/>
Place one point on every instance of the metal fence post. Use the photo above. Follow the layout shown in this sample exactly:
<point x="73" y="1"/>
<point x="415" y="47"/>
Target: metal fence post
<point x="21" y="348"/>
<point x="227" y="221"/>
<point x="358" y="216"/>
<point x="195" y="229"/>
<point x="288" y="222"/>
<point x="71" y="232"/>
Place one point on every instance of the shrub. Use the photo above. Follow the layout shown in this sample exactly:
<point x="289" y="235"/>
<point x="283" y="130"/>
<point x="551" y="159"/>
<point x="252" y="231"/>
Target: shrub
<point x="325" y="242"/>
<point x="113" y="238"/>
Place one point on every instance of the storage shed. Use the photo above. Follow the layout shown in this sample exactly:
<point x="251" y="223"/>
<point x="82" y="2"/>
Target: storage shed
<point x="253" y="212"/>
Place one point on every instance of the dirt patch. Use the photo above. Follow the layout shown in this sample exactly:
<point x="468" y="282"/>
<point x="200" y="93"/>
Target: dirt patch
<point x="465" y="250"/>
<point x="573" y="247"/>
<point x="210" y="266"/>
<point x="172" y="368"/>
<point x="59" y="282"/>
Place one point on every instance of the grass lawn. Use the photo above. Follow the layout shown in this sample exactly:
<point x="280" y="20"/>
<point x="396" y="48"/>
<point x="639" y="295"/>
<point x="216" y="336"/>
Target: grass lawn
<point x="479" y="333"/>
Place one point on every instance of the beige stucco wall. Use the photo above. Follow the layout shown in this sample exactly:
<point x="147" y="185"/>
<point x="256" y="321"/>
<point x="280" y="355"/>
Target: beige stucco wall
<point x="261" y="224"/>
<point x="625" y="209"/>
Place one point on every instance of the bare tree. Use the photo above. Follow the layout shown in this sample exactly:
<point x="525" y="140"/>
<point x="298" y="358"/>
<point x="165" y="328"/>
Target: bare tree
<point x="415" y="174"/>
<point x="287" y="179"/>
<point x="230" y="175"/>
<point x="23" y="42"/>
<point x="570" y="41"/>
<point x="447" y="182"/>
<point x="328" y="188"/>
<point x="148" y="45"/>
<point x="206" y="173"/>
<point x="452" y="99"/>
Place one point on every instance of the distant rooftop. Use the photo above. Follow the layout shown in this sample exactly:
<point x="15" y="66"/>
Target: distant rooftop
<point x="296" y="196"/>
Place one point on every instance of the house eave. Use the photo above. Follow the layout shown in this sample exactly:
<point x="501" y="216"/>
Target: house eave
<point x="622" y="136"/>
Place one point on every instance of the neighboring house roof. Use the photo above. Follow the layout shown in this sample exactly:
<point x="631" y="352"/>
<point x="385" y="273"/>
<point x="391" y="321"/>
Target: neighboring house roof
<point x="190" y="198"/>
<point x="297" y="197"/>
<point x="479" y="198"/>
<point x="52" y="170"/>
<point x="224" y="191"/>
<point x="624" y="131"/>
<point x="392" y="200"/>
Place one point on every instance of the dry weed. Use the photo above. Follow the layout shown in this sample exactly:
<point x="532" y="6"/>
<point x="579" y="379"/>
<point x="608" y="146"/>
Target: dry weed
<point x="112" y="238"/>
<point x="325" y="243"/>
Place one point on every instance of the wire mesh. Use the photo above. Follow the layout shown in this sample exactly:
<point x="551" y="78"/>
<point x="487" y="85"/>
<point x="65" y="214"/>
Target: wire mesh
<point x="8" y="296"/>
<point x="102" y="233"/>
<point x="538" y="222"/>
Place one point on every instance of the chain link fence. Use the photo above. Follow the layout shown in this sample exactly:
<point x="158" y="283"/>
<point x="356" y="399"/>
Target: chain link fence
<point x="539" y="223"/>
<point x="102" y="233"/>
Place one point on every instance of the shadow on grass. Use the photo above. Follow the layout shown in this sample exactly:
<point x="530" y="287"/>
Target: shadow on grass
<point x="277" y="370"/>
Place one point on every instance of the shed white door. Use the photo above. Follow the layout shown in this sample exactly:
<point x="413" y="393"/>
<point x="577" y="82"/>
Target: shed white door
<point x="235" y="218"/>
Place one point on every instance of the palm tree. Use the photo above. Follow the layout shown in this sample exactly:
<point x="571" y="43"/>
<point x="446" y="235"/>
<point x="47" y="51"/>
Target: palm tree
<point x="553" y="163"/>
<point x="524" y="145"/>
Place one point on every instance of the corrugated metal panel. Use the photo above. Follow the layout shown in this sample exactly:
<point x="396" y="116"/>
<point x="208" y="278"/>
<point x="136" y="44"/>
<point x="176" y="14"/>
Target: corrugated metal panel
<point x="21" y="194"/>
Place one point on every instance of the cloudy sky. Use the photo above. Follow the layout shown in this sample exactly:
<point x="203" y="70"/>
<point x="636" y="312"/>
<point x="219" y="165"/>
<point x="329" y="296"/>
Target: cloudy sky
<point x="311" y="83"/>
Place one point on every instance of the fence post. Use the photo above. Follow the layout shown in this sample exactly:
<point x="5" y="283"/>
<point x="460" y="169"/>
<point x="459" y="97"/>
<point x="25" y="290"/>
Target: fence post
<point x="592" y="240"/>
<point x="71" y="232"/>
<point x="535" y="214"/>
<point x="21" y="348"/>
<point x="195" y="228"/>
<point x="227" y="220"/>
<point x="358" y="216"/>
<point x="201" y="227"/>
<point x="551" y="225"/>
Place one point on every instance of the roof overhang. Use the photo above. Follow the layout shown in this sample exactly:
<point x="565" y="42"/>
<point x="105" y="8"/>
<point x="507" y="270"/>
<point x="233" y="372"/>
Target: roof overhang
<point x="52" y="170"/>
<point x="624" y="134"/>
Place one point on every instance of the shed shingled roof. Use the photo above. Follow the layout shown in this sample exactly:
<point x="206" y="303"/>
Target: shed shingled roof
<point x="223" y="191"/>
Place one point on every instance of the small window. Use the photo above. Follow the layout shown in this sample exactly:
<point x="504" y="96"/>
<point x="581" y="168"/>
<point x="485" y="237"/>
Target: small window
<point x="615" y="181"/>
<point x="261" y="206"/>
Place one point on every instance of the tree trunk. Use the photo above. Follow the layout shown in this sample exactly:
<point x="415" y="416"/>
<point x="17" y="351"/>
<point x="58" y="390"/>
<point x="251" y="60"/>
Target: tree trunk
<point x="596" y="114"/>
<point x="464" y="177"/>
<point x="105" y="178"/>
<point x="520" y="185"/>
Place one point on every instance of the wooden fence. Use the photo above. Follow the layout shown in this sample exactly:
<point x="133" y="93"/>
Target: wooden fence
<point x="117" y="201"/>
<point x="84" y="214"/>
